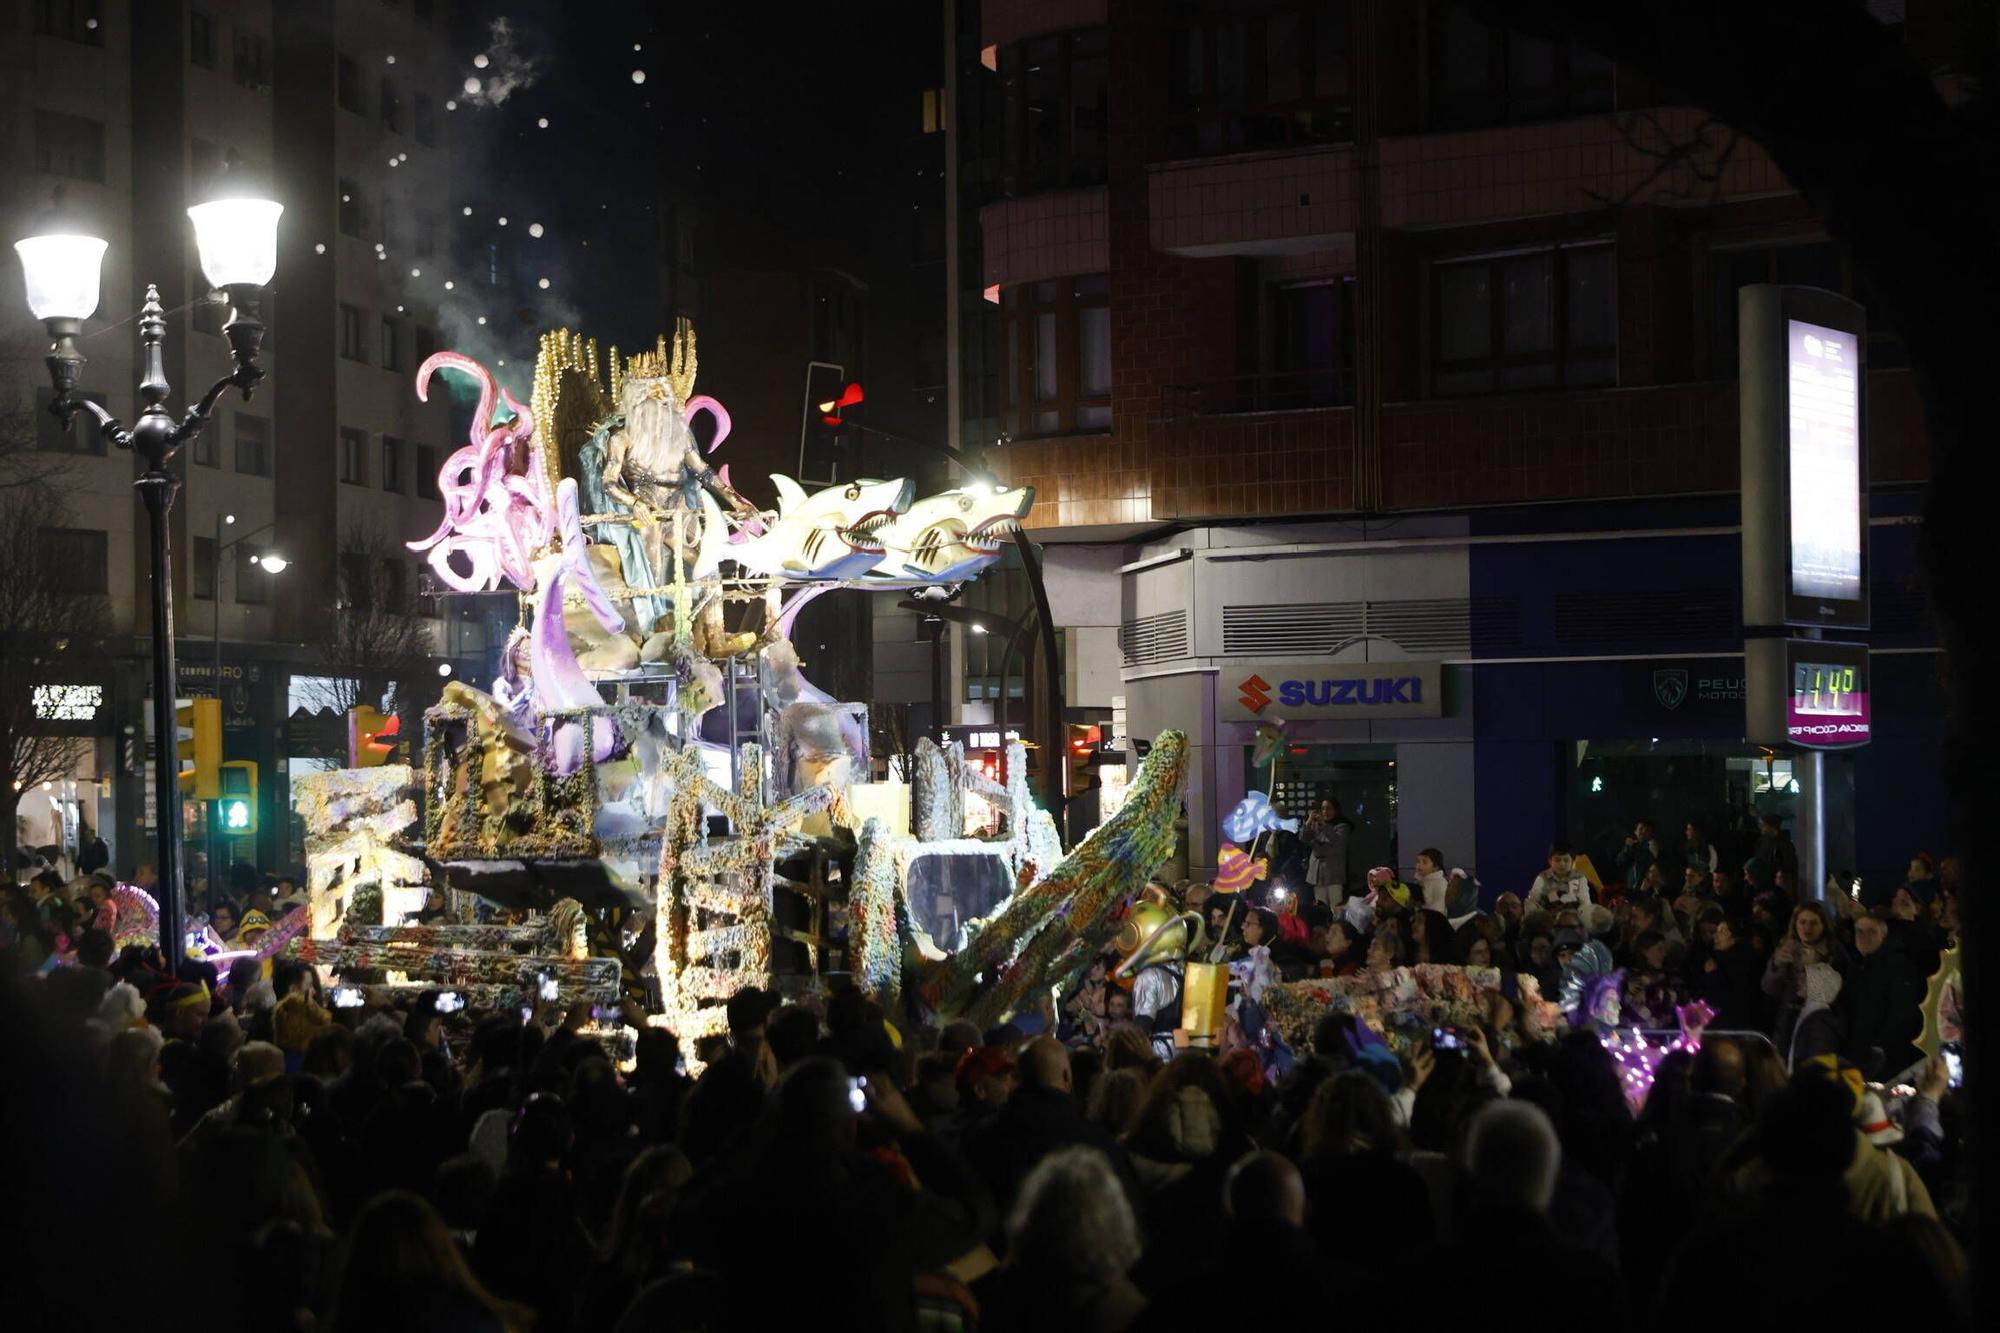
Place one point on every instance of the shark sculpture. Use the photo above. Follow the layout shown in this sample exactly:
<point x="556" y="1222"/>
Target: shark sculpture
<point x="829" y="534"/>
<point x="954" y="534"/>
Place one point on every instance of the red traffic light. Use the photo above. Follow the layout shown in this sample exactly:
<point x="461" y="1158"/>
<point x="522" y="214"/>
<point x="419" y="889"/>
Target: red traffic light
<point x="831" y="409"/>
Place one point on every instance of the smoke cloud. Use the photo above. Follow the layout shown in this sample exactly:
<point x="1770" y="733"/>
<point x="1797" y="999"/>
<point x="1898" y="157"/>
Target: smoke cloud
<point x="506" y="71"/>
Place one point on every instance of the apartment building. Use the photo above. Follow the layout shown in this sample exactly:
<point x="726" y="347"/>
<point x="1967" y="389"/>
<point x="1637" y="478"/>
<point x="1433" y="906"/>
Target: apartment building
<point x="1362" y="335"/>
<point x="128" y="107"/>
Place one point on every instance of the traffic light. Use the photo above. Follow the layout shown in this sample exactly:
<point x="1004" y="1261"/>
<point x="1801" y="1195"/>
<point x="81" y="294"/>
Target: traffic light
<point x="371" y="736"/>
<point x="1086" y="742"/>
<point x="236" y="808"/>
<point x="823" y="420"/>
<point x="198" y="739"/>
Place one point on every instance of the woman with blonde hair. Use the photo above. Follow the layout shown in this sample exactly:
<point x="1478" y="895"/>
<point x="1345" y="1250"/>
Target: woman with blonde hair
<point x="402" y="1271"/>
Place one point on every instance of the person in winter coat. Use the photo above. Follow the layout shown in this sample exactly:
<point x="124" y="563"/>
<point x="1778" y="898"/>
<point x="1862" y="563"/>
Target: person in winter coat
<point x="1809" y="939"/>
<point x="1728" y="981"/>
<point x="1326" y="834"/>
<point x="1561" y="885"/>
<point x="1430" y="880"/>
<point x="1882" y="1001"/>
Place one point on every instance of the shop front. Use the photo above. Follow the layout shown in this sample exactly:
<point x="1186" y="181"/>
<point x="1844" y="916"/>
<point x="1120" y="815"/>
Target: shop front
<point x="68" y="770"/>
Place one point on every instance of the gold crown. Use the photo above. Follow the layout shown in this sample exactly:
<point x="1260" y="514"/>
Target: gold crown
<point x="674" y="363"/>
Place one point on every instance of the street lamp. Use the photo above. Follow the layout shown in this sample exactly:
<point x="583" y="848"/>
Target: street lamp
<point x="236" y="234"/>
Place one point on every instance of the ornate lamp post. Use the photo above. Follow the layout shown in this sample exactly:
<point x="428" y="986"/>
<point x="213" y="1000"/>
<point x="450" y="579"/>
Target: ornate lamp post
<point x="236" y="233"/>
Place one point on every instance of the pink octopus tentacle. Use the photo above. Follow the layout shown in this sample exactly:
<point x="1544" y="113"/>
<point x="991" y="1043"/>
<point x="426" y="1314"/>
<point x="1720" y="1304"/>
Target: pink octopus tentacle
<point x="488" y="390"/>
<point x="702" y="402"/>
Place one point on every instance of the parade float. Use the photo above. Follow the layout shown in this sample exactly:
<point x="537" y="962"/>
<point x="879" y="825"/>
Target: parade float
<point x="651" y="801"/>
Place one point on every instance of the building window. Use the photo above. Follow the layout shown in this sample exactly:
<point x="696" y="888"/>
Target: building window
<point x="932" y="114"/>
<point x="395" y="585"/>
<point x="425" y="121"/>
<point x="353" y="213"/>
<point x="1303" y="356"/>
<point x="252" y="579"/>
<point x="251" y="58"/>
<point x="351" y="344"/>
<point x="1053" y="91"/>
<point x="69" y="146"/>
<point x="427" y="343"/>
<point x="74" y="562"/>
<point x="357" y="581"/>
<point x="1803" y="261"/>
<point x="427" y="472"/>
<point x="1239" y="82"/>
<point x="202" y="44"/>
<point x="353" y="456"/>
<point x="207" y="448"/>
<point x="201" y="578"/>
<point x="253" y="445"/>
<point x="392" y="106"/>
<point x="1528" y="319"/>
<point x="81" y="436"/>
<point x="1058" y="339"/>
<point x="392" y="464"/>
<point x="347" y="86"/>
<point x="392" y="337"/>
<point x="72" y="20"/>
<point x="1482" y="75"/>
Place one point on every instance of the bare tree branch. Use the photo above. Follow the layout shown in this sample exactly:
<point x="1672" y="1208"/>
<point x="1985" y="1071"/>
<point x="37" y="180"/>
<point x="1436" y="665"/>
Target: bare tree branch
<point x="377" y="636"/>
<point x="46" y="634"/>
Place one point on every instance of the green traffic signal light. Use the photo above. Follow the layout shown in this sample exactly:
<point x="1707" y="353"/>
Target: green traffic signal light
<point x="236" y="814"/>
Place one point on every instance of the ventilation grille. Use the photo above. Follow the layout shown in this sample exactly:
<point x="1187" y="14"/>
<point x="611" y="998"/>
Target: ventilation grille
<point x="1431" y="627"/>
<point x="1291" y="627"/>
<point x="1646" y="616"/>
<point x="1899" y="608"/>
<point x="1447" y="626"/>
<point x="1154" y="639"/>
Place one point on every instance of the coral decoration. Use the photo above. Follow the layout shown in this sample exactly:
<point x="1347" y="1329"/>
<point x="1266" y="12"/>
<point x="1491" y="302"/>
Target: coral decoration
<point x="138" y="919"/>
<point x="1638" y="1058"/>
<point x="353" y="817"/>
<point x="871" y="914"/>
<point x="1047" y="934"/>
<point x="1402" y="1005"/>
<point x="498" y="510"/>
<point x="559" y="683"/>
<point x="714" y="914"/>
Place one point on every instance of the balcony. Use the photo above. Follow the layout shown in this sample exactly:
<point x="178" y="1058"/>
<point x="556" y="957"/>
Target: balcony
<point x="1294" y="201"/>
<point x="1046" y="236"/>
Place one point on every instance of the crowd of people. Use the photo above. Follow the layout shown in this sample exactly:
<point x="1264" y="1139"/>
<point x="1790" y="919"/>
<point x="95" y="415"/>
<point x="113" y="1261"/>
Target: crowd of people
<point x="194" y="1147"/>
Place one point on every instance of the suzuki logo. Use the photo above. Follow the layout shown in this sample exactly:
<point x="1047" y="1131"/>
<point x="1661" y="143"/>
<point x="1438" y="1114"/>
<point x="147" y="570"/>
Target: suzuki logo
<point x="1254" y="694"/>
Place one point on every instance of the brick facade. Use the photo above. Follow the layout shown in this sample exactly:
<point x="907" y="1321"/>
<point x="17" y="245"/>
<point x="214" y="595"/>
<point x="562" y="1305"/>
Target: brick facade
<point x="1189" y="242"/>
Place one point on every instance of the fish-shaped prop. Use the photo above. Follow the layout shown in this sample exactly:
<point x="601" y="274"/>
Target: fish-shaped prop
<point x="829" y="534"/>
<point x="1270" y="743"/>
<point x="1253" y="815"/>
<point x="954" y="534"/>
<point x="1236" y="870"/>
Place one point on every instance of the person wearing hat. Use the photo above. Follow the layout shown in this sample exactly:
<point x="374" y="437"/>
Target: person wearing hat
<point x="250" y="931"/>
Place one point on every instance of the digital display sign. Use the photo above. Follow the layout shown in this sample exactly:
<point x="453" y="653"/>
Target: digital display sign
<point x="1811" y="693"/>
<point x="1824" y="399"/>
<point x="1802" y="416"/>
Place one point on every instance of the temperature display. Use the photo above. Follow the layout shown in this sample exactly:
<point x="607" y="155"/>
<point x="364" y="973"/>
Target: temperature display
<point x="1824" y="689"/>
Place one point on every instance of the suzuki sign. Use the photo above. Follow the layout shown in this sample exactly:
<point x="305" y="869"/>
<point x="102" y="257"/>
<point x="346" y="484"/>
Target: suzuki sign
<point x="1355" y="691"/>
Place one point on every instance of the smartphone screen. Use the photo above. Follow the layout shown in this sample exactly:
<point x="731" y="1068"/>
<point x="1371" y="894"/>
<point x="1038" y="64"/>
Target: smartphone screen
<point x="1954" y="1067"/>
<point x="346" y="997"/>
<point x="548" y="988"/>
<point x="857" y="1094"/>
<point x="1446" y="1039"/>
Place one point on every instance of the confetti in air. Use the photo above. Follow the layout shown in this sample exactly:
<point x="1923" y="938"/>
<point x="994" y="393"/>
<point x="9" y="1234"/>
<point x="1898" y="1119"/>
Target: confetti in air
<point x="543" y="283"/>
<point x="320" y="249"/>
<point x="638" y="76"/>
<point x="467" y="210"/>
<point x="480" y="62"/>
<point x="472" y="87"/>
<point x="503" y="222"/>
<point x="542" y="123"/>
<point x="535" y="230"/>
